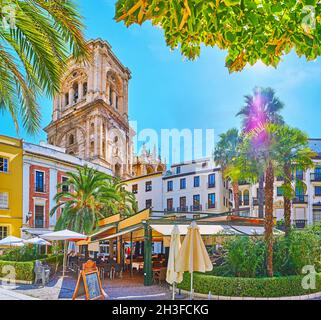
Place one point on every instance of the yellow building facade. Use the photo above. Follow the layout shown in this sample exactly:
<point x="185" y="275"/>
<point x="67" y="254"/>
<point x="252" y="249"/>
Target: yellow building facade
<point x="11" y="186"/>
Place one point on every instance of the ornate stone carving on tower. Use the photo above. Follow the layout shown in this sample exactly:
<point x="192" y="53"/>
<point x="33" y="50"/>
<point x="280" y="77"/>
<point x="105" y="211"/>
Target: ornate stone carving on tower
<point x="90" y="114"/>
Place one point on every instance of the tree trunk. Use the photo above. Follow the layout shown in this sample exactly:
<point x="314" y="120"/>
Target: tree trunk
<point x="261" y="196"/>
<point x="268" y="222"/>
<point x="235" y="187"/>
<point x="287" y="201"/>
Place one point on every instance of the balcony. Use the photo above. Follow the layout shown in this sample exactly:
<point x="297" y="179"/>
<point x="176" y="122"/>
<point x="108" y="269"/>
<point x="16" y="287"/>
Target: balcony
<point x="40" y="188"/>
<point x="300" y="199"/>
<point x="210" y="206"/>
<point x="182" y="209"/>
<point x="300" y="223"/>
<point x="197" y="207"/>
<point x="169" y="210"/>
<point x="255" y="201"/>
<point x="211" y="185"/>
<point x="279" y="178"/>
<point x="315" y="176"/>
<point x="243" y="182"/>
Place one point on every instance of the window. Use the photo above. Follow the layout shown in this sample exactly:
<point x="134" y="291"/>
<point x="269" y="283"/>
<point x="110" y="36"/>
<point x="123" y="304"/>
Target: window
<point x="148" y="203"/>
<point x="183" y="183"/>
<point x="4" y="200"/>
<point x="116" y="102"/>
<point x="317" y="191"/>
<point x="196" y="199"/>
<point x="39" y="217"/>
<point x="135" y="188"/>
<point x="76" y="92"/>
<point x="196" y="182"/>
<point x="211" y="180"/>
<point x="148" y="186"/>
<point x="66" y="99"/>
<point x="110" y="96"/>
<point x="4" y="232"/>
<point x="211" y="200"/>
<point x="182" y="204"/>
<point x="71" y="139"/>
<point x="246" y="198"/>
<point x="170" y="204"/>
<point x="64" y="188"/>
<point x="299" y="174"/>
<point x="279" y="191"/>
<point x="85" y="88"/>
<point x="40" y="181"/>
<point x="178" y="170"/>
<point x="169" y="186"/>
<point x="3" y="165"/>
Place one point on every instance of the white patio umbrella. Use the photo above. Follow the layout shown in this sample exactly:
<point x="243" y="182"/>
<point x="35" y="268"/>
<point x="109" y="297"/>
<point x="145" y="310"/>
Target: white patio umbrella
<point x="12" y="242"/>
<point x="38" y="241"/>
<point x="193" y="255"/>
<point x="64" y="235"/>
<point x="172" y="276"/>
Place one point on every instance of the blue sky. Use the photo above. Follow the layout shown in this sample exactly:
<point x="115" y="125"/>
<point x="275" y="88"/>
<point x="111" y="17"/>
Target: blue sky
<point x="168" y="92"/>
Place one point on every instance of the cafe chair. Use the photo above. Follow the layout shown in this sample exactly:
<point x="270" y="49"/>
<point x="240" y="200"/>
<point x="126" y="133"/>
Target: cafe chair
<point x="42" y="272"/>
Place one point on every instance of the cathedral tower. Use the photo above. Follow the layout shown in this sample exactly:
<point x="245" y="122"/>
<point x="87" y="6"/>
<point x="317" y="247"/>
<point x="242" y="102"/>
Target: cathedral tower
<point x="90" y="113"/>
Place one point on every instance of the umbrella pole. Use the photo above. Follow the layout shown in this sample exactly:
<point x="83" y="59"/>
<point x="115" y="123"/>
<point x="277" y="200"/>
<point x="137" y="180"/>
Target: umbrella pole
<point x="65" y="258"/>
<point x="192" y="286"/>
<point x="173" y="298"/>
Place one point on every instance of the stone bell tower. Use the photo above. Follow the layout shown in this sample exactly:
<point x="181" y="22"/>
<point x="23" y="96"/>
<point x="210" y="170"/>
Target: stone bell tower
<point x="90" y="113"/>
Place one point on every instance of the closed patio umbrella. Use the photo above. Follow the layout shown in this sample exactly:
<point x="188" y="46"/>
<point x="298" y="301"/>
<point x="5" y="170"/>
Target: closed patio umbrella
<point x="193" y="255"/>
<point x="172" y="276"/>
<point x="64" y="235"/>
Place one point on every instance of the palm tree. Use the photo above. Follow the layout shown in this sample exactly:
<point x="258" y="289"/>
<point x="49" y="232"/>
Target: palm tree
<point x="86" y="201"/>
<point x="293" y="153"/>
<point x="126" y="203"/>
<point x="261" y="108"/>
<point x="33" y="53"/>
<point x="225" y="154"/>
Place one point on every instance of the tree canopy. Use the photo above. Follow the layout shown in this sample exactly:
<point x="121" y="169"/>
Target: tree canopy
<point x="250" y="30"/>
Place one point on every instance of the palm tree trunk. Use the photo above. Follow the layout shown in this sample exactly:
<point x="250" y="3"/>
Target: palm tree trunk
<point x="287" y="201"/>
<point x="235" y="187"/>
<point x="268" y="225"/>
<point x="261" y="196"/>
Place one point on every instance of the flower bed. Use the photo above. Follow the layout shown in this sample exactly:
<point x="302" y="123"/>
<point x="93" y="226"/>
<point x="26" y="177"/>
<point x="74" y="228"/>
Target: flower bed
<point x="249" y="287"/>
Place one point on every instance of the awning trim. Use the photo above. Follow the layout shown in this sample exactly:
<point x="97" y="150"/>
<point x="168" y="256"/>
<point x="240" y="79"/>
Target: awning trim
<point x="121" y="233"/>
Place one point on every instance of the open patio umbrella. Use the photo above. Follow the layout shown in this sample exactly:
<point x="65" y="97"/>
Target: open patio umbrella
<point x="172" y="276"/>
<point x="38" y="242"/>
<point x="64" y="235"/>
<point x="193" y="255"/>
<point x="12" y="241"/>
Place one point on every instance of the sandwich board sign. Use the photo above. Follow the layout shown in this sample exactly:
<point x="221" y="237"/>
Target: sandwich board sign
<point x="88" y="283"/>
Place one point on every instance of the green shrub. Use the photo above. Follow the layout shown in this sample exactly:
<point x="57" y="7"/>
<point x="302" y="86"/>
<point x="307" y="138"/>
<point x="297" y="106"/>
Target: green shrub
<point x="248" y="287"/>
<point x="24" y="270"/>
<point x="21" y="254"/>
<point x="246" y="256"/>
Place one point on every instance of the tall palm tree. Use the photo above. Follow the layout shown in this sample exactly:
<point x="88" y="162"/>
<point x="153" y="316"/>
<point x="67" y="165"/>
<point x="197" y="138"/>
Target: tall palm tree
<point x="225" y="154"/>
<point x="261" y="108"/>
<point x="33" y="51"/>
<point x="292" y="152"/>
<point x="87" y="200"/>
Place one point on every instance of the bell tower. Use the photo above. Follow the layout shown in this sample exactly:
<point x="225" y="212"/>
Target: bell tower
<point x="90" y="113"/>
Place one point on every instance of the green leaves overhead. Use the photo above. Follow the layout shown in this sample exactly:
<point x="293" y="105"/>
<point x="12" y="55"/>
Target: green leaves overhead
<point x="250" y="30"/>
<point x="36" y="38"/>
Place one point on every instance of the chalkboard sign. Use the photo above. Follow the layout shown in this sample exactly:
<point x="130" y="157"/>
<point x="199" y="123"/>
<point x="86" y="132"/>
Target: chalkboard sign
<point x="89" y="284"/>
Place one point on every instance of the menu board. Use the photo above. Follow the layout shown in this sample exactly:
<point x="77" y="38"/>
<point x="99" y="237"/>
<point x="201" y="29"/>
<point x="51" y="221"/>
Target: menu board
<point x="89" y="284"/>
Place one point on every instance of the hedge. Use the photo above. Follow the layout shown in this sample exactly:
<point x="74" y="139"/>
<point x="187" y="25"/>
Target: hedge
<point x="25" y="270"/>
<point x="249" y="287"/>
